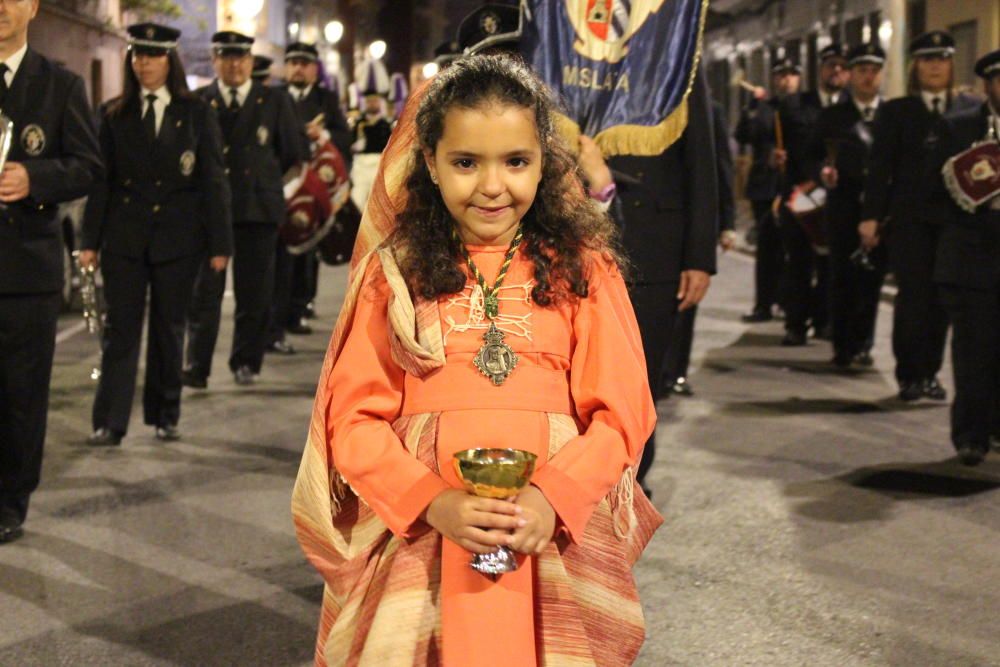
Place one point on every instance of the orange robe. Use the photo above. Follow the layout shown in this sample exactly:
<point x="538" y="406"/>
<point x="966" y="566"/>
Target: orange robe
<point x="580" y="364"/>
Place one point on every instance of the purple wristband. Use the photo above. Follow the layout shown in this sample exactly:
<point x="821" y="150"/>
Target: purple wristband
<point x="605" y="194"/>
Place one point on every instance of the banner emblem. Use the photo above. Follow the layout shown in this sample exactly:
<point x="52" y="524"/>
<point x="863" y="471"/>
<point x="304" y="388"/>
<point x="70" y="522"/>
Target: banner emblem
<point x="603" y="27"/>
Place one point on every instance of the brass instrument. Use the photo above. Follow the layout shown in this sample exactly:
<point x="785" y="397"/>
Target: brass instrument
<point x="93" y="313"/>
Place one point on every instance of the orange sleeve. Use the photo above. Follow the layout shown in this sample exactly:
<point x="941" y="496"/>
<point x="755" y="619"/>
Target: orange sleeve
<point x="612" y="400"/>
<point x="366" y="389"/>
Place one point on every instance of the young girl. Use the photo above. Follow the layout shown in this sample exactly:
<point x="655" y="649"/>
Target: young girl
<point x="490" y="235"/>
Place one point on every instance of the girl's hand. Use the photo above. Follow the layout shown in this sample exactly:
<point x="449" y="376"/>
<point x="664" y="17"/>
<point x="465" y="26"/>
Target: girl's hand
<point x="477" y="524"/>
<point x="539" y="522"/>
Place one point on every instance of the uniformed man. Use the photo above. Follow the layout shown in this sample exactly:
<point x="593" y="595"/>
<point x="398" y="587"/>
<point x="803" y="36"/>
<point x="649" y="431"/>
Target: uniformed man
<point x="902" y="197"/>
<point x="262" y="68"/>
<point x="842" y="146"/>
<point x="162" y="207"/>
<point x="371" y="135"/>
<point x="807" y="301"/>
<point x="756" y="129"/>
<point x="967" y="271"/>
<point x="320" y="113"/>
<point x="263" y="142"/>
<point x="53" y="158"/>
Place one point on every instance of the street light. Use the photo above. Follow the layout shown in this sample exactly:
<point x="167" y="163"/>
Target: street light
<point x="885" y="33"/>
<point x="333" y="31"/>
<point x="247" y="9"/>
<point x="430" y="69"/>
<point x="377" y="49"/>
<point x="293" y="29"/>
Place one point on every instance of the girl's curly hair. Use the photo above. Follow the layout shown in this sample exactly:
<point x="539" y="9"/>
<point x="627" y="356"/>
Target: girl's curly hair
<point x="561" y="226"/>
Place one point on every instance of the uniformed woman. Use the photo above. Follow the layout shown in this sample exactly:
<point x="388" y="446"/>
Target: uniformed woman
<point x="163" y="203"/>
<point x="902" y="195"/>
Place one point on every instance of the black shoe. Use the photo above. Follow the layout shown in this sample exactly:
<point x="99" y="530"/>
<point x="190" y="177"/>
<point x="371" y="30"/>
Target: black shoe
<point x="794" y="339"/>
<point x="971" y="455"/>
<point x="105" y="437"/>
<point x="194" y="379"/>
<point x="299" y="328"/>
<point x="10" y="526"/>
<point x="280" y="347"/>
<point x="864" y="359"/>
<point x="757" y="315"/>
<point x="681" y="387"/>
<point x="933" y="390"/>
<point x="911" y="391"/>
<point x="167" y="432"/>
<point x="842" y="360"/>
<point x="244" y="376"/>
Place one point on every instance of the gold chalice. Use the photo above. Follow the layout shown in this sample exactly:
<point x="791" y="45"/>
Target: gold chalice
<point x="494" y="473"/>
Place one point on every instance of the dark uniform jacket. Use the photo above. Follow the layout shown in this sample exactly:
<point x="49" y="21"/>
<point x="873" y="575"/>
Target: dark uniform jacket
<point x="798" y="115"/>
<point x="324" y="101"/>
<point x="54" y="139"/>
<point x="904" y="176"/>
<point x="724" y="167"/>
<point x="169" y="198"/>
<point x="968" y="253"/>
<point x="265" y="141"/>
<point x="756" y="129"/>
<point x="842" y="133"/>
<point x="667" y="205"/>
<point x="375" y="134"/>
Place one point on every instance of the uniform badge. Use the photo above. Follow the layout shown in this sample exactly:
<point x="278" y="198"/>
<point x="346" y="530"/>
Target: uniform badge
<point x="326" y="173"/>
<point x="33" y="140"/>
<point x="490" y="23"/>
<point x="937" y="39"/>
<point x="262" y="135"/>
<point x="187" y="162"/>
<point x="150" y="32"/>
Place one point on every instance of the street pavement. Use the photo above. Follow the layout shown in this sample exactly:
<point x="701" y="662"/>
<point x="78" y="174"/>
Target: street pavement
<point x="811" y="518"/>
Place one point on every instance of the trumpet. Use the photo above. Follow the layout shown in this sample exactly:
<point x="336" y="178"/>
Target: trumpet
<point x="93" y="314"/>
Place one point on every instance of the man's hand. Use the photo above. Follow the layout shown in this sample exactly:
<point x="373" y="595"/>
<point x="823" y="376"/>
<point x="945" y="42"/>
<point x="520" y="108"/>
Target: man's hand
<point x="15" y="184"/>
<point x="778" y="158"/>
<point x="539" y="522"/>
<point x="759" y="93"/>
<point x="219" y="263"/>
<point x="592" y="163"/>
<point x="829" y="176"/>
<point x="87" y="259"/>
<point x="868" y="231"/>
<point x="694" y="284"/>
<point x="479" y="525"/>
<point x="314" y="131"/>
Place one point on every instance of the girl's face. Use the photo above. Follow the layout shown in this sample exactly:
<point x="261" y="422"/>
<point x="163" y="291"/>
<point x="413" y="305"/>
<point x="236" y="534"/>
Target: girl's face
<point x="487" y="164"/>
<point x="933" y="73"/>
<point x="151" y="70"/>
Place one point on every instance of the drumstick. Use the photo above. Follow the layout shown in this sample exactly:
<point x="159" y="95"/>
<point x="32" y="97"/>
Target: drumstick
<point x="318" y="119"/>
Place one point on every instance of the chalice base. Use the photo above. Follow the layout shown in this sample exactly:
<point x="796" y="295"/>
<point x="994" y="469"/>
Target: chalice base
<point x="498" y="562"/>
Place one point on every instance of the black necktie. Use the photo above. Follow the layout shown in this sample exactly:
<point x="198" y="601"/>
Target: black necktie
<point x="149" y="117"/>
<point x="936" y="106"/>
<point x="868" y="113"/>
<point x="3" y="82"/>
<point x="234" y="102"/>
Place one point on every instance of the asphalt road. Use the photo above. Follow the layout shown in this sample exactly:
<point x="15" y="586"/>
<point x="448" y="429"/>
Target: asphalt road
<point x="811" y="519"/>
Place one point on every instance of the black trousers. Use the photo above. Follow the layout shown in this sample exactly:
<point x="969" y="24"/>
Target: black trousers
<point x="27" y="346"/>
<point x="806" y="277"/>
<point x="854" y="291"/>
<point x="253" y="284"/>
<point x="127" y="282"/>
<point x="678" y="357"/>
<point x="305" y="282"/>
<point x="975" y="357"/>
<point x="769" y="267"/>
<point x="655" y="308"/>
<point x="281" y="305"/>
<point x="920" y="322"/>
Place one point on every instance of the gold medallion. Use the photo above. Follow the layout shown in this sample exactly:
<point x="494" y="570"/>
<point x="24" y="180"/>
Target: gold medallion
<point x="495" y="358"/>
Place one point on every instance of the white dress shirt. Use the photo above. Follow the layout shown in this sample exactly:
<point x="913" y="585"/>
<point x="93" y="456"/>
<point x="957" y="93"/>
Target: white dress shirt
<point x="159" y="105"/>
<point x="300" y="93"/>
<point x="929" y="100"/>
<point x="241" y="92"/>
<point x="13" y="63"/>
<point x="873" y="105"/>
